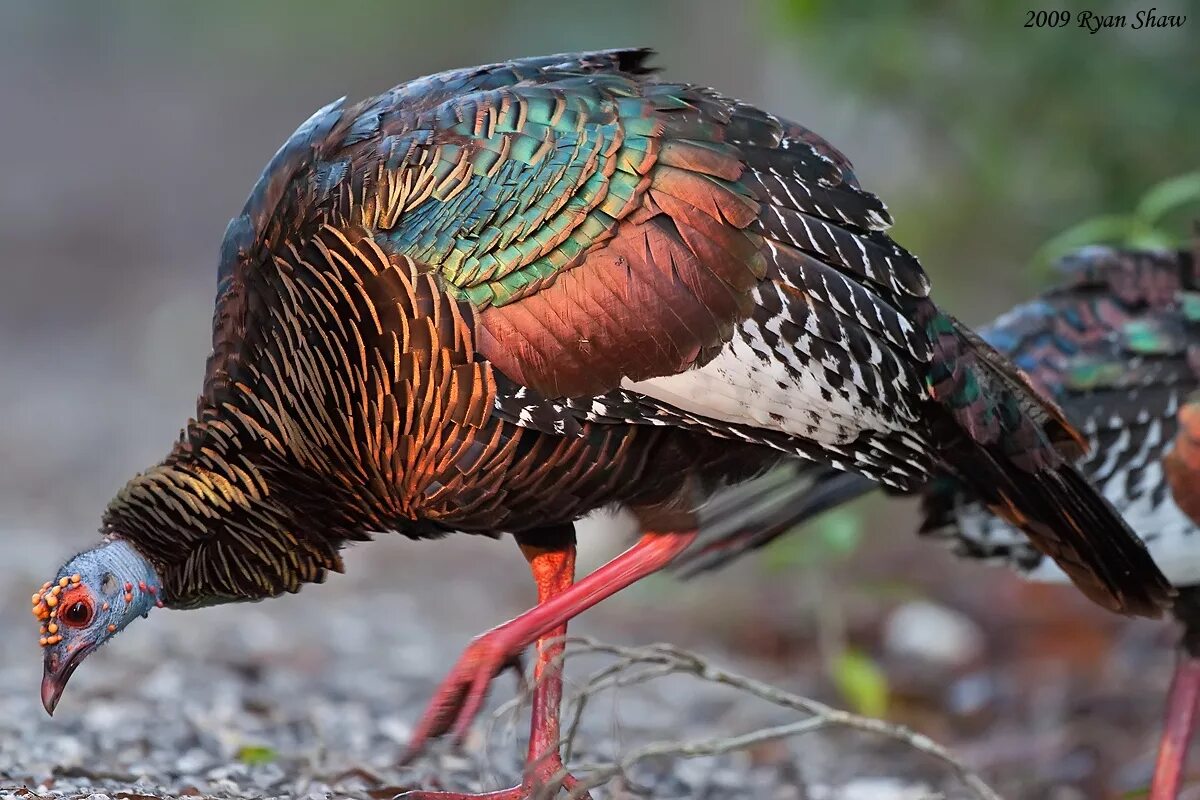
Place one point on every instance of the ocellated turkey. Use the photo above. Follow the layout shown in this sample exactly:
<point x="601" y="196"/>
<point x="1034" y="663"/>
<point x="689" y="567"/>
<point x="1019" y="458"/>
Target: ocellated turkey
<point x="495" y="299"/>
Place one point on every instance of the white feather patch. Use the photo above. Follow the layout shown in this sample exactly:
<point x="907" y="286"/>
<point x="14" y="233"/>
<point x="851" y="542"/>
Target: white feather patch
<point x="742" y="386"/>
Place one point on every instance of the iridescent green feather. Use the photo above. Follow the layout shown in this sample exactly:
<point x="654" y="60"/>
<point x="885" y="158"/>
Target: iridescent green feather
<point x="1086" y="374"/>
<point x="553" y="169"/>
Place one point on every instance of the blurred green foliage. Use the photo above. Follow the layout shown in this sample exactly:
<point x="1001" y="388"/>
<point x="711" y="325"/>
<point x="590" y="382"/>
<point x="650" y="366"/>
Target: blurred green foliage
<point x="861" y="682"/>
<point x="255" y="755"/>
<point x="831" y="537"/>
<point x="1154" y="221"/>
<point x="1027" y="130"/>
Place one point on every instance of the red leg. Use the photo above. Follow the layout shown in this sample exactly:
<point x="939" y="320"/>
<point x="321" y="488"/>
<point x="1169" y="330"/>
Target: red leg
<point x="553" y="572"/>
<point x="462" y="693"/>
<point x="1183" y="702"/>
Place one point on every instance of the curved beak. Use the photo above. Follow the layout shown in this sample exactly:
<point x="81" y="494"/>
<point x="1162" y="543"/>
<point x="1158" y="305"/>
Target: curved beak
<point x="57" y="671"/>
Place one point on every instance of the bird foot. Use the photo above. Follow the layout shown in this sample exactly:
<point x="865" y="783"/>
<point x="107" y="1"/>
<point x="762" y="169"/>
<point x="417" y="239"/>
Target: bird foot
<point x="458" y="699"/>
<point x="547" y="780"/>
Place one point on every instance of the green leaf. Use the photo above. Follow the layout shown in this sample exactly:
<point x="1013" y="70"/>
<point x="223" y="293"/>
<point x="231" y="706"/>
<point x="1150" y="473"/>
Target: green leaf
<point x="861" y="683"/>
<point x="1168" y="196"/>
<point x="256" y="755"/>
<point x="835" y="535"/>
<point x="841" y="531"/>
<point x="1151" y="238"/>
<point x="1109" y="228"/>
<point x="801" y="12"/>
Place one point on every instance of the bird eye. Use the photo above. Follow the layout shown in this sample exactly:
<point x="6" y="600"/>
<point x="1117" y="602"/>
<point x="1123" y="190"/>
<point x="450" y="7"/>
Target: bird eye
<point x="77" y="615"/>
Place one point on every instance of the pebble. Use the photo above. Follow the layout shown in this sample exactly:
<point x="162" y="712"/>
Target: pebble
<point x="928" y="632"/>
<point x="194" y="761"/>
<point x="396" y="729"/>
<point x="167" y="710"/>
<point x="880" y="789"/>
<point x="267" y="776"/>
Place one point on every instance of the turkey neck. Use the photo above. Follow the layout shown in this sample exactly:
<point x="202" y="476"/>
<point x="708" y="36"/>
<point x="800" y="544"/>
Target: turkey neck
<point x="185" y="514"/>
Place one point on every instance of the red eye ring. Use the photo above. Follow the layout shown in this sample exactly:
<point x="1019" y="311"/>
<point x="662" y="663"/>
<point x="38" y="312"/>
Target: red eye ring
<point x="77" y="614"/>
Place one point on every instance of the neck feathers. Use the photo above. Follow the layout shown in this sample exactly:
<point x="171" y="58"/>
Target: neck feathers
<point x="217" y="529"/>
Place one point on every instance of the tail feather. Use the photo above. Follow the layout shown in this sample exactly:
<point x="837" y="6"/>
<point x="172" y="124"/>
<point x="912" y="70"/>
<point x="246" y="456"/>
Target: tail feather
<point x="751" y="515"/>
<point x="1067" y="519"/>
<point x="1007" y="443"/>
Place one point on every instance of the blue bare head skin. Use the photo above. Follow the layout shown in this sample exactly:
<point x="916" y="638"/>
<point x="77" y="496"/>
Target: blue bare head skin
<point x="93" y="597"/>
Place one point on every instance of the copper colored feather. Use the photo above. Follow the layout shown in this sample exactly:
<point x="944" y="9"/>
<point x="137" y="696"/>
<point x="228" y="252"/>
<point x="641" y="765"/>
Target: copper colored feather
<point x="495" y="299"/>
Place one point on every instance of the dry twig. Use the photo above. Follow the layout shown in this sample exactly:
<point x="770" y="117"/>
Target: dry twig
<point x="637" y="665"/>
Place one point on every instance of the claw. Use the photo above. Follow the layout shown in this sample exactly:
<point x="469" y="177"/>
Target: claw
<point x="460" y="696"/>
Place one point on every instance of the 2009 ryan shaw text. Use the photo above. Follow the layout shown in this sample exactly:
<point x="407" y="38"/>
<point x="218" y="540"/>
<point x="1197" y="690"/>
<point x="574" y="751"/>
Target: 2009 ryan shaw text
<point x="1094" y="23"/>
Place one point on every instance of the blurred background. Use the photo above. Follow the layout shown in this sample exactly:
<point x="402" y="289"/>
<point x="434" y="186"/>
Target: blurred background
<point x="131" y="132"/>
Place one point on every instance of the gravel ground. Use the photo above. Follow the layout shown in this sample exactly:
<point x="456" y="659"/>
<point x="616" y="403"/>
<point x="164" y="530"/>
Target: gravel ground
<point x="315" y="696"/>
